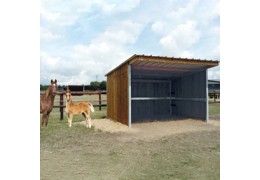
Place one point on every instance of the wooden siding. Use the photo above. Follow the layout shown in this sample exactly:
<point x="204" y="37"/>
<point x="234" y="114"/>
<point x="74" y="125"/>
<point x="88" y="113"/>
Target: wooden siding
<point x="117" y="95"/>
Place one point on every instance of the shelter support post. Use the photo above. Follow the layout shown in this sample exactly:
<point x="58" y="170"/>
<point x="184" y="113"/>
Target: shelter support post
<point x="207" y="96"/>
<point x="129" y="96"/>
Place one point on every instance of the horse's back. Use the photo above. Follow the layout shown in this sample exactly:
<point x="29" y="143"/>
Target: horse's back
<point x="79" y="108"/>
<point x="85" y="105"/>
<point x="42" y="103"/>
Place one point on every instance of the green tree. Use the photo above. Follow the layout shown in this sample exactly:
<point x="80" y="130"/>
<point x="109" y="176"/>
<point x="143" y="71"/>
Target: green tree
<point x="103" y="85"/>
<point x="95" y="85"/>
<point x="43" y="87"/>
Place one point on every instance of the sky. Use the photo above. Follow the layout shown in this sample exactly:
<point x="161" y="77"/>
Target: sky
<point x="80" y="40"/>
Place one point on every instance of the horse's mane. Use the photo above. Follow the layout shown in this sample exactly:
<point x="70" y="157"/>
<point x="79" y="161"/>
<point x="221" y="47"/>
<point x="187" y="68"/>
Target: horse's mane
<point x="48" y="92"/>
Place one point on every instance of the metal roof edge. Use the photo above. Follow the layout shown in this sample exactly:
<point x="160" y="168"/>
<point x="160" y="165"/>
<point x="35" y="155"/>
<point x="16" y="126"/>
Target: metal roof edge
<point x="165" y="57"/>
<point x="179" y="58"/>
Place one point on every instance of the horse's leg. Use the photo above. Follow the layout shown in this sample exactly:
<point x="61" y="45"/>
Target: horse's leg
<point x="70" y="117"/>
<point x="89" y="120"/>
<point x="44" y="116"/>
<point x="47" y="118"/>
<point x="86" y="119"/>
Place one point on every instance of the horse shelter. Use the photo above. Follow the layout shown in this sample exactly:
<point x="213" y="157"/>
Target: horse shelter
<point x="146" y="88"/>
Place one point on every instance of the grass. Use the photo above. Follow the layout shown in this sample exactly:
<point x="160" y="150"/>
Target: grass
<point x="85" y="154"/>
<point x="186" y="156"/>
<point x="81" y="153"/>
<point x="214" y="111"/>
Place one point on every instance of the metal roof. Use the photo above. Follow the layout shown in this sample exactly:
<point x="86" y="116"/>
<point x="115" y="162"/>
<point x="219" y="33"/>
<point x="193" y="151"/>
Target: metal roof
<point x="168" y="66"/>
<point x="213" y="81"/>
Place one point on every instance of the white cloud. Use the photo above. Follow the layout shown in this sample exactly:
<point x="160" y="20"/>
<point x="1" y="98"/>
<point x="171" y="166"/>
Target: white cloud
<point x="71" y="9"/>
<point x="47" y="35"/>
<point x="215" y="31"/>
<point x="158" y="27"/>
<point x="183" y="13"/>
<point x="180" y="38"/>
<point x="187" y="54"/>
<point x="209" y="15"/>
<point x="114" y="7"/>
<point x="49" y="16"/>
<point x="81" y="39"/>
<point x="214" y="53"/>
<point x="187" y="27"/>
<point x="84" y="63"/>
<point x="59" y="18"/>
<point x="50" y="62"/>
<point x="214" y="73"/>
<point x="123" y="32"/>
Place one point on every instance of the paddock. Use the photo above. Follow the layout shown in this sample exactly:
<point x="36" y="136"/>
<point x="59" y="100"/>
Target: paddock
<point x="150" y="150"/>
<point x="148" y="88"/>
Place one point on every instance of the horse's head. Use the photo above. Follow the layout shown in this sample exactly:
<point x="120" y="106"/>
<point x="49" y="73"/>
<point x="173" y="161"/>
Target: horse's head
<point x="68" y="94"/>
<point x="53" y="86"/>
<point x="52" y="89"/>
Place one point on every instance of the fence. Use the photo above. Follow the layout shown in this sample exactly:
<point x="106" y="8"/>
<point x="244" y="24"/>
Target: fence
<point x="62" y="103"/>
<point x="215" y="94"/>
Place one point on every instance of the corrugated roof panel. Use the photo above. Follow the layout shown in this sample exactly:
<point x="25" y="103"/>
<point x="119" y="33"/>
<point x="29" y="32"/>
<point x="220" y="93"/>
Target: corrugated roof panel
<point x="159" y="63"/>
<point x="167" y="66"/>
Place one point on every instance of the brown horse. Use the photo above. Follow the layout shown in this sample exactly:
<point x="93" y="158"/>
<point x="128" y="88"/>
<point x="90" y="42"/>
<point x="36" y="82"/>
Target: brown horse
<point x="83" y="108"/>
<point x="46" y="104"/>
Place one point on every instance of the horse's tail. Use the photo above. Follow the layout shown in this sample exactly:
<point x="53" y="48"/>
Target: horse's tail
<point x="91" y="107"/>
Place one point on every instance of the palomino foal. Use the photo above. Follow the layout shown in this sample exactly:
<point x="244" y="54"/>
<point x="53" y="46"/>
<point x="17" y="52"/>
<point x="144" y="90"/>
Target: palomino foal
<point x="83" y="108"/>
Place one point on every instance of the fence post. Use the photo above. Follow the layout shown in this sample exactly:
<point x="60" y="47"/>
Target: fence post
<point x="99" y="95"/>
<point x="61" y="106"/>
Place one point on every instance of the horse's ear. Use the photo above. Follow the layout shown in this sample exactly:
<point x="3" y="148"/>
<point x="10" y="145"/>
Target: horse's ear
<point x="51" y="81"/>
<point x="55" y="81"/>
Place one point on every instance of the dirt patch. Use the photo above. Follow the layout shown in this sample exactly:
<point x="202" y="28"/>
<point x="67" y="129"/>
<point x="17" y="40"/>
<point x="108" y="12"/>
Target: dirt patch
<point x="153" y="130"/>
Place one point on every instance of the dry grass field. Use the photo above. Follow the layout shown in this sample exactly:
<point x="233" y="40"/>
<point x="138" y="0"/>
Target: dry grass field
<point x="169" y="150"/>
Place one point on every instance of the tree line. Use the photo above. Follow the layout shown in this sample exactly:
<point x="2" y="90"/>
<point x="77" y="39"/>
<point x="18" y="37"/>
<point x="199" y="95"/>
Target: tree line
<point x="93" y="86"/>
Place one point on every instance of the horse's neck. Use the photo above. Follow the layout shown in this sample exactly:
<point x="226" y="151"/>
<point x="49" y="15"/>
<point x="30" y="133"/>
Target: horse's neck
<point x="68" y="104"/>
<point x="52" y="96"/>
<point x="49" y="94"/>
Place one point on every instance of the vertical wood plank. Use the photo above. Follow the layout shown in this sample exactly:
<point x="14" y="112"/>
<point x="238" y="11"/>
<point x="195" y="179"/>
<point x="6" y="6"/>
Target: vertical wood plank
<point x="99" y="97"/>
<point x="117" y="95"/>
